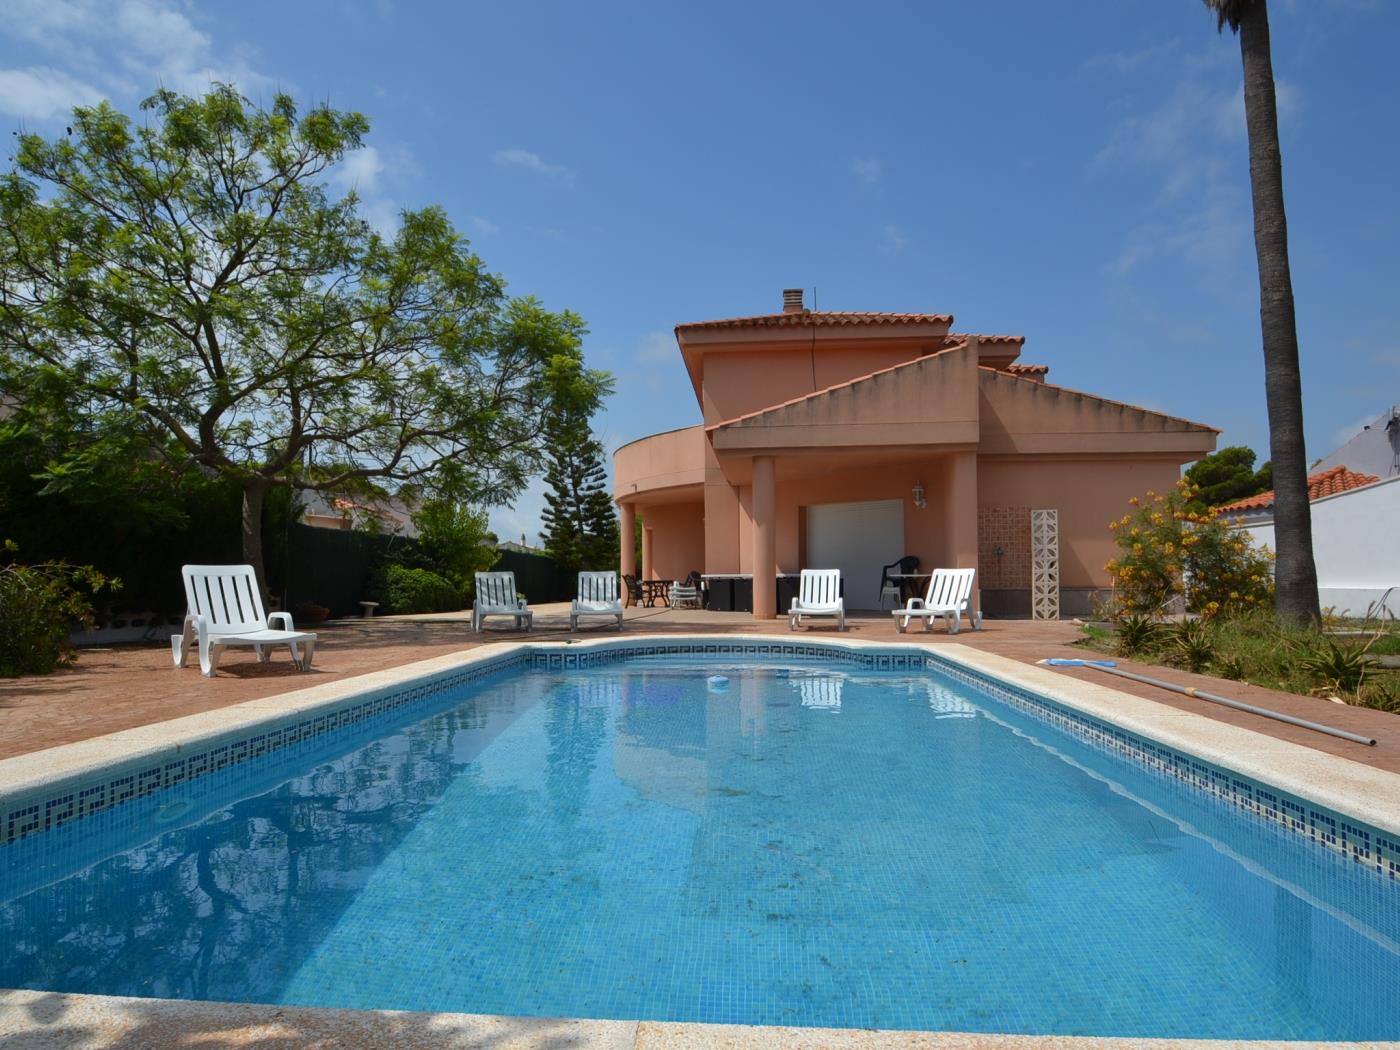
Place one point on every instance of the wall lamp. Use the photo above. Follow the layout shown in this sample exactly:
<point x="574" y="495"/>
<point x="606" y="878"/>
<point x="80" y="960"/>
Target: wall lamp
<point x="919" y="500"/>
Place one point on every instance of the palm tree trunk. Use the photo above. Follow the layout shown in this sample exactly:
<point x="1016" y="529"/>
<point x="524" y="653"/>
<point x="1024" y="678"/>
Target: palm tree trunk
<point x="1296" y="594"/>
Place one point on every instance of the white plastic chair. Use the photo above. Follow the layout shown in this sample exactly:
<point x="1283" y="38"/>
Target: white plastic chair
<point x="223" y="607"/>
<point x="949" y="591"/>
<point x="495" y="596"/>
<point x="685" y="593"/>
<point x="597" y="596"/>
<point x="818" y="594"/>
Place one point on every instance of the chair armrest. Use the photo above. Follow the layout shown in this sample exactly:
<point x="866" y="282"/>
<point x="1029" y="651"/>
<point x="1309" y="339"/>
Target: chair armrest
<point x="283" y="618"/>
<point x="914" y="603"/>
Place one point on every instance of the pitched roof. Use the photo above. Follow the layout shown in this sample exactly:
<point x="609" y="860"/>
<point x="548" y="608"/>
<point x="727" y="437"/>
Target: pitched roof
<point x="811" y="317"/>
<point x="825" y="392"/>
<point x="1015" y="375"/>
<point x="1325" y="483"/>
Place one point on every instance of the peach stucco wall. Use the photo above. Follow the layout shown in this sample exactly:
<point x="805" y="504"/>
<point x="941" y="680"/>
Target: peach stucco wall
<point x="677" y="539"/>
<point x="740" y="382"/>
<point x="1088" y="495"/>
<point x="667" y="460"/>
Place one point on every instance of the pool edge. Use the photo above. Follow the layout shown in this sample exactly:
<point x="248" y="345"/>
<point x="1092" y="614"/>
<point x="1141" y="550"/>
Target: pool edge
<point x="96" y="1022"/>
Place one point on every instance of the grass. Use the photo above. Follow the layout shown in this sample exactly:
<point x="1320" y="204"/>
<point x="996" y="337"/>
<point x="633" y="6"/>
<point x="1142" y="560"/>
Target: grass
<point x="1259" y="648"/>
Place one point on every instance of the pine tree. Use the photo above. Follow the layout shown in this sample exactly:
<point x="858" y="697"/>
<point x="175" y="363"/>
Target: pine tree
<point x="580" y="525"/>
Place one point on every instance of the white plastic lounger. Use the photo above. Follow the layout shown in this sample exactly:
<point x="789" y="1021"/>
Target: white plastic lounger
<point x="818" y="594"/>
<point x="223" y="607"/>
<point x="495" y="596"/>
<point x="597" y="596"/>
<point x="949" y="591"/>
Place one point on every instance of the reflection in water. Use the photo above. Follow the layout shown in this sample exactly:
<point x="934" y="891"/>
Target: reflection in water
<point x="623" y="842"/>
<point x="820" y="692"/>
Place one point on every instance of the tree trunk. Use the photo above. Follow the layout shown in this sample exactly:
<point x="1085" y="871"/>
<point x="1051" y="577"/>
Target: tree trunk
<point x="1296" y="575"/>
<point x="254" y="491"/>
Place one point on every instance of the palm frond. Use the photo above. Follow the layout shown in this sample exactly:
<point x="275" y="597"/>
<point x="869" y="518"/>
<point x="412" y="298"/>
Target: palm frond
<point x="1230" y="11"/>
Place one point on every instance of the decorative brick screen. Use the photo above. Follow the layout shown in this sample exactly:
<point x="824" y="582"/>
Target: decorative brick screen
<point x="1008" y="530"/>
<point x="1045" y="564"/>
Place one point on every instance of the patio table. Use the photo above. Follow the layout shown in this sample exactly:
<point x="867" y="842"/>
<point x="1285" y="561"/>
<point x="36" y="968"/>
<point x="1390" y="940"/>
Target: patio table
<point x="911" y="584"/>
<point x="656" y="590"/>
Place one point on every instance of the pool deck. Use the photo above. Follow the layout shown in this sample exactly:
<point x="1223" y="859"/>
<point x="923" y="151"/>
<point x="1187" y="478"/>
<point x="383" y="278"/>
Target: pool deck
<point x="109" y="691"/>
<point x="123" y="687"/>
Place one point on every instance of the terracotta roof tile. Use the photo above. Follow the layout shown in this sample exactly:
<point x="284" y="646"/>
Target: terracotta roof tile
<point x="1326" y="483"/>
<point x="811" y="317"/>
<point x="1027" y="370"/>
<point x="1017" y="339"/>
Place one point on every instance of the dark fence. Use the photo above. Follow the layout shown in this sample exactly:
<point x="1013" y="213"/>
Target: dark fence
<point x="332" y="567"/>
<point x="537" y="577"/>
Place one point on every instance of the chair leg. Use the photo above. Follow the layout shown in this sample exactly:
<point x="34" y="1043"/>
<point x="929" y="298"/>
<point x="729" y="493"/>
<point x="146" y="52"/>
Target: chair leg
<point x="302" y="659"/>
<point x="209" y="658"/>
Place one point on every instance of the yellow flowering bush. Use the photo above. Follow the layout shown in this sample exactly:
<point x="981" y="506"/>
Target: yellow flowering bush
<point x="1166" y="549"/>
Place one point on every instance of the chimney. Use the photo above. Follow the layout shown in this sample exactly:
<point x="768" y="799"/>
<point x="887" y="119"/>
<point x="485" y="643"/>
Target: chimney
<point x="792" y="301"/>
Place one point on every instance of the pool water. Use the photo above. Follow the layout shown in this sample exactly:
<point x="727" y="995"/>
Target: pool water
<point x="809" y="847"/>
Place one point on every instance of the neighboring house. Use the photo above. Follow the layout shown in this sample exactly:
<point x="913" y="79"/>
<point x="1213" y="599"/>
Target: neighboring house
<point x="334" y="512"/>
<point x="846" y="440"/>
<point x="1355" y="522"/>
<point x="522" y="547"/>
<point x="1376" y="450"/>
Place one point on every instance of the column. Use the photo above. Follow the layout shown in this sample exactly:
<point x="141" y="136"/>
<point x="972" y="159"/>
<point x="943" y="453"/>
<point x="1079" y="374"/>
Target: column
<point x="765" y="540"/>
<point x="961" y="516"/>
<point x="629" y="539"/>
<point x="646" y="552"/>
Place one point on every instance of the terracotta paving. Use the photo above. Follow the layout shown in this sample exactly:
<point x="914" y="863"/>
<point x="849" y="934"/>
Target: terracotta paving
<point x="122" y="687"/>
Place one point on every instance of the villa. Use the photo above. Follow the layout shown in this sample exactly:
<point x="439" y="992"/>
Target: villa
<point x="848" y="440"/>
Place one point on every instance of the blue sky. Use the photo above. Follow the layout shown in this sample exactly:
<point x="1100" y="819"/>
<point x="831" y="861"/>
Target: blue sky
<point x="1075" y="173"/>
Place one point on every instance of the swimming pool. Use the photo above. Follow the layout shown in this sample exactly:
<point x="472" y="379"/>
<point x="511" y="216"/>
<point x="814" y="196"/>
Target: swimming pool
<point x="850" y="840"/>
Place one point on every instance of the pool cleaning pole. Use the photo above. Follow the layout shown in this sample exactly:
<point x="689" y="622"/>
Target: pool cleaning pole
<point x="1200" y="694"/>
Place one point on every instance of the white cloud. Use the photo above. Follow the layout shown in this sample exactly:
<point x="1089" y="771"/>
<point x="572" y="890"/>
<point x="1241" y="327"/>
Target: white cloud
<point x="121" y="51"/>
<point x="892" y="238"/>
<point x="484" y="225"/>
<point x="523" y="158"/>
<point x="41" y="92"/>
<point x="657" y="347"/>
<point x="867" y="169"/>
<point x="1133" y="61"/>
<point x="359" y="169"/>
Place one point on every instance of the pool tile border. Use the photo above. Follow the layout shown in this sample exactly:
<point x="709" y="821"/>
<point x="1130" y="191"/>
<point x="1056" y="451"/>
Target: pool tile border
<point x="58" y="792"/>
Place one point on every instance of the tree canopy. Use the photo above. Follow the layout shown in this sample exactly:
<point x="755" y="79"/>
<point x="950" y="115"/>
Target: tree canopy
<point x="192" y="281"/>
<point x="1227" y="475"/>
<point x="581" y="528"/>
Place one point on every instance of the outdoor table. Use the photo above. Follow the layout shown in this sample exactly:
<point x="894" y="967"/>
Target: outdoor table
<point x="656" y="590"/>
<point x="911" y="584"/>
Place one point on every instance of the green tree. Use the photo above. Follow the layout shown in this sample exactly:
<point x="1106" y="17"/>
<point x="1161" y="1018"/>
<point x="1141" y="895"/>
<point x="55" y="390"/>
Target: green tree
<point x="580" y="524"/>
<point x="1227" y="475"/>
<point x="190" y="277"/>
<point x="456" y="541"/>
<point x="1296" y="594"/>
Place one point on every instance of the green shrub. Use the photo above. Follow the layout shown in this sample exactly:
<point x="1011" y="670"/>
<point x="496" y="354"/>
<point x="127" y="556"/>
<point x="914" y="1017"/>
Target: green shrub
<point x="418" y="590"/>
<point x="1137" y="634"/>
<point x="1336" y="667"/>
<point x="1165" y="550"/>
<point x="39" y="607"/>
<point x="1193" y="645"/>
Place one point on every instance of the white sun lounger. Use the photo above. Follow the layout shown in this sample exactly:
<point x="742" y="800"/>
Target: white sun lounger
<point x="223" y="607"/>
<point x="597" y="596"/>
<point x="495" y="596"/>
<point x="949" y="591"/>
<point x="818" y="594"/>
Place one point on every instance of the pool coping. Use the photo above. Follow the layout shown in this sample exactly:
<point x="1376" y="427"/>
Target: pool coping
<point x="1368" y="794"/>
<point x="1351" y="788"/>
